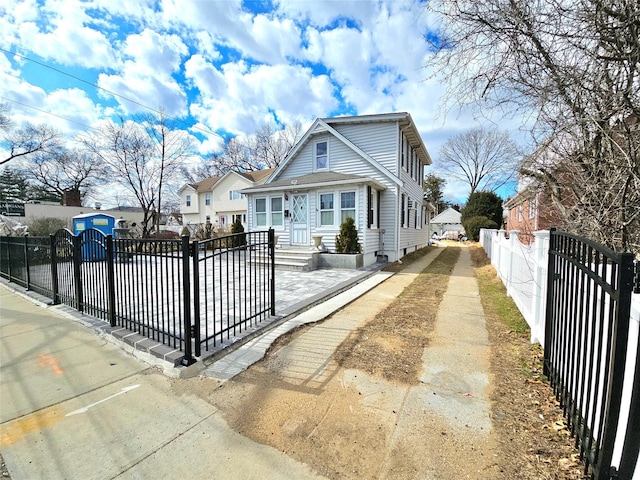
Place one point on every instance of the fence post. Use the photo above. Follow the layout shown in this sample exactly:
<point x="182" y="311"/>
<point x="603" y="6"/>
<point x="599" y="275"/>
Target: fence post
<point x="186" y="295"/>
<point x="196" y="297"/>
<point x="618" y="362"/>
<point x="272" y="255"/>
<point x="111" y="283"/>
<point x="77" y="269"/>
<point x="55" y="294"/>
<point x="539" y="278"/>
<point x="26" y="262"/>
<point x="548" y="308"/>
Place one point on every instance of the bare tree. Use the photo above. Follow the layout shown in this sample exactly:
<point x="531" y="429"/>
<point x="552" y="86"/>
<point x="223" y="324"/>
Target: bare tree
<point x="63" y="170"/>
<point x="483" y="159"/>
<point x="143" y="157"/>
<point x="172" y="147"/>
<point x="29" y="139"/>
<point x="6" y="123"/>
<point x="128" y="153"/>
<point x="264" y="149"/>
<point x="573" y="67"/>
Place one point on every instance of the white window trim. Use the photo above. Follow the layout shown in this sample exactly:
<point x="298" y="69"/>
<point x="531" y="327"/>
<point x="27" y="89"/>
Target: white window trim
<point x="315" y="155"/>
<point x="337" y="208"/>
<point x="333" y="209"/>
<point x="268" y="212"/>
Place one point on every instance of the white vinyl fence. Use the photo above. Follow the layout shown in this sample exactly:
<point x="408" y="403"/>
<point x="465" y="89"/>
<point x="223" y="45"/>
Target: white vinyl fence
<point x="523" y="270"/>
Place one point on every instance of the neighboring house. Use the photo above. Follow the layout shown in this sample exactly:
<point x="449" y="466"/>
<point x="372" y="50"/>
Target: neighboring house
<point x="219" y="200"/>
<point x="448" y="223"/>
<point x="530" y="210"/>
<point x="369" y="167"/>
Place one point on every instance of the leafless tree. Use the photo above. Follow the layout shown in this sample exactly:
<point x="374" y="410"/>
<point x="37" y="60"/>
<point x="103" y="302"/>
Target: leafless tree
<point x="27" y="140"/>
<point x="172" y="148"/>
<point x="484" y="159"/>
<point x="6" y="123"/>
<point x="128" y="153"/>
<point x="143" y="157"/>
<point x="574" y="67"/>
<point x="63" y="170"/>
<point x="264" y="149"/>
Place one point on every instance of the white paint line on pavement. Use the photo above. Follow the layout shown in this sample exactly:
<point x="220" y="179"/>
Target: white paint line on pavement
<point x="85" y="409"/>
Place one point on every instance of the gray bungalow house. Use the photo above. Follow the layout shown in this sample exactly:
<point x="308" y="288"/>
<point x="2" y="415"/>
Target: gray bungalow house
<point x="368" y="167"/>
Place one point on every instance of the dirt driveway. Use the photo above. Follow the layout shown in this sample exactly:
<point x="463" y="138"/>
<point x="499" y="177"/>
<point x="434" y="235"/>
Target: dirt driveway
<point x="345" y="419"/>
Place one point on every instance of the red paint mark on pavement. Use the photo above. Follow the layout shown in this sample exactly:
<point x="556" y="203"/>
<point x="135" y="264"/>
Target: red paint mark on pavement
<point x="48" y="361"/>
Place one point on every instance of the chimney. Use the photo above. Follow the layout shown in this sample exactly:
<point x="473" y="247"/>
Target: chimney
<point x="71" y="198"/>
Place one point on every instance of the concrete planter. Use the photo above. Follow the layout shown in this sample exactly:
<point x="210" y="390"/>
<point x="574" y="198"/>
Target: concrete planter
<point x="347" y="261"/>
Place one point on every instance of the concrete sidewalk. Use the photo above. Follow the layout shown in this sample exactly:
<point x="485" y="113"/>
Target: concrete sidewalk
<point x="75" y="406"/>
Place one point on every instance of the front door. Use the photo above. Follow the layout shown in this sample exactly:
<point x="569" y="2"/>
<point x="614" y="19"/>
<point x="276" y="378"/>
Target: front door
<point x="300" y="220"/>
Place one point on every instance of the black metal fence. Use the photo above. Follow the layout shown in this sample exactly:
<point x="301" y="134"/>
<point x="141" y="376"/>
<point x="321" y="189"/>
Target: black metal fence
<point x="188" y="295"/>
<point x="586" y="347"/>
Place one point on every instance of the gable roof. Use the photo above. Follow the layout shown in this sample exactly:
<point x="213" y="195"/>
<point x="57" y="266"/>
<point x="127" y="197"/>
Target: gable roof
<point x="207" y="184"/>
<point x="203" y="185"/>
<point x="257" y="175"/>
<point x="323" y="125"/>
<point x="450" y="215"/>
<point x="314" y="180"/>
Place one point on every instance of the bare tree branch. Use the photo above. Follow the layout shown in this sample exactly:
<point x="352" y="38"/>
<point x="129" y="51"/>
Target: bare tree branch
<point x="483" y="159"/>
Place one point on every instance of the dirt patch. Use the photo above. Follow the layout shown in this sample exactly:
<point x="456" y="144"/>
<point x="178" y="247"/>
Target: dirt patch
<point x="391" y="345"/>
<point x="345" y="426"/>
<point x="532" y="434"/>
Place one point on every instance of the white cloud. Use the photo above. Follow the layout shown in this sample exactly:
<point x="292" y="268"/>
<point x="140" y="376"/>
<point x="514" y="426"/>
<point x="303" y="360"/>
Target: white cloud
<point x="64" y="37"/>
<point x="147" y="76"/>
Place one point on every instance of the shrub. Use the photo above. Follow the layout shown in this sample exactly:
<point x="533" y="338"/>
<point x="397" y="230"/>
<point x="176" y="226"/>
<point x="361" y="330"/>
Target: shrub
<point x="237" y="228"/>
<point x="43" y="226"/>
<point x="347" y="240"/>
<point x="483" y="204"/>
<point x="185" y="231"/>
<point x="473" y="225"/>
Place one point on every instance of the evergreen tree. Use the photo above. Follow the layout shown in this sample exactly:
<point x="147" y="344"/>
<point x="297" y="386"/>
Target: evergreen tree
<point x="347" y="240"/>
<point x="13" y="186"/>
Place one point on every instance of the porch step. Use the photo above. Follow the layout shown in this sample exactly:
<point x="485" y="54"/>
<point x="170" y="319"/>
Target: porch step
<point x="296" y="259"/>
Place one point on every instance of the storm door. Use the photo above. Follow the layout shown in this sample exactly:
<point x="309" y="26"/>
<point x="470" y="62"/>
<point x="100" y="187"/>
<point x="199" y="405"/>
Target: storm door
<point x="300" y="220"/>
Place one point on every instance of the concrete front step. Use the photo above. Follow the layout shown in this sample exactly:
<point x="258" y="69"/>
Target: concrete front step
<point x="302" y="259"/>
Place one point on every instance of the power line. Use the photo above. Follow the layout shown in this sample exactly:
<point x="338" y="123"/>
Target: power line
<point x="48" y="113"/>
<point x="209" y="132"/>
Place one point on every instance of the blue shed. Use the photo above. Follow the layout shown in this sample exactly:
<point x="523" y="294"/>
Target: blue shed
<point x="92" y="243"/>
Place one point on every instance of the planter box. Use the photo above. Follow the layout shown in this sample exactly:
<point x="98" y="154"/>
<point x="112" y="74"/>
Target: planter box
<point x="347" y="261"/>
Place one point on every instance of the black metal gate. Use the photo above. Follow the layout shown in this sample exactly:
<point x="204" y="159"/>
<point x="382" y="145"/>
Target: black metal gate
<point x="586" y="346"/>
<point x="188" y="295"/>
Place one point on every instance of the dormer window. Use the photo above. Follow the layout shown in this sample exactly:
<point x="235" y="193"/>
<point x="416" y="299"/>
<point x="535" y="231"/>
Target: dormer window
<point x="322" y="157"/>
<point x="188" y="200"/>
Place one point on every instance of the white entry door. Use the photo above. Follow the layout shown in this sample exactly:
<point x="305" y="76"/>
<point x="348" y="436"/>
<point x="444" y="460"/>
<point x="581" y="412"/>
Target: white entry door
<point x="300" y="220"/>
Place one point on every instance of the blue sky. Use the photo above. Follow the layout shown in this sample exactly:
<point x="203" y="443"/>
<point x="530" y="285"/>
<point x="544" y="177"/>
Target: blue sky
<point x="224" y="67"/>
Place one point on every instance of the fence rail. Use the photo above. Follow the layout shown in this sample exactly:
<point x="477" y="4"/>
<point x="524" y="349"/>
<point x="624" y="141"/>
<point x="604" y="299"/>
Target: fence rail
<point x="188" y="295"/>
<point x="577" y="298"/>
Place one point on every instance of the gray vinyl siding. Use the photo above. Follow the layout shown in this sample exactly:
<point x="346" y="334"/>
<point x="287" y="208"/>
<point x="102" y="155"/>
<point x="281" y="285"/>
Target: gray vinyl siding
<point x="378" y="140"/>
<point x="411" y="237"/>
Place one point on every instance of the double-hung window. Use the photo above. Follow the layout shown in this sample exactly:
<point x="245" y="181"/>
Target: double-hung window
<point x="188" y="200"/>
<point x="347" y="205"/>
<point x="207" y="199"/>
<point x="322" y="156"/>
<point x="326" y="209"/>
<point x="261" y="212"/>
<point x="276" y="212"/>
<point x="532" y="208"/>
